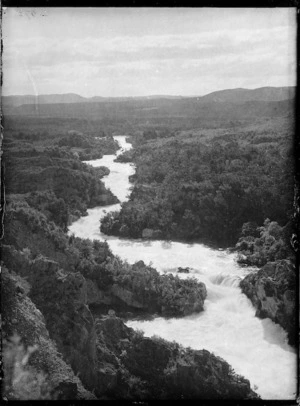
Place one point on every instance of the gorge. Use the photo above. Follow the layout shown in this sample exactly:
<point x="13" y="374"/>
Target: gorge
<point x="256" y="349"/>
<point x="185" y="288"/>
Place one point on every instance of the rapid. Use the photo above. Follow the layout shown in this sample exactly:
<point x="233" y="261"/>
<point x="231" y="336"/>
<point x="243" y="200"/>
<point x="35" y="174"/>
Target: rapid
<point x="256" y="349"/>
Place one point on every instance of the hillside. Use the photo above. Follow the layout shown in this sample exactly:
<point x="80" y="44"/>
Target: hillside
<point x="159" y="111"/>
<point x="19" y="100"/>
<point x="228" y="95"/>
<point x="243" y="95"/>
<point x="226" y="108"/>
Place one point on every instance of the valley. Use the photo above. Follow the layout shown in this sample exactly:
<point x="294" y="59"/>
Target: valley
<point x="98" y="224"/>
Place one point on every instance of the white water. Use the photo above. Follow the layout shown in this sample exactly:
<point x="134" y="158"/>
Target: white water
<point x="256" y="349"/>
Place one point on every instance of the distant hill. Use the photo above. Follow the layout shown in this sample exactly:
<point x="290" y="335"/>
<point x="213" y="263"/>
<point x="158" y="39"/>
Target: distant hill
<point x="97" y="99"/>
<point x="19" y="100"/>
<point x="15" y="101"/>
<point x="126" y="114"/>
<point x="243" y="95"/>
<point x="157" y="109"/>
<point x="229" y="95"/>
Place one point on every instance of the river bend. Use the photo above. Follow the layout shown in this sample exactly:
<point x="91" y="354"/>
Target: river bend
<point x="256" y="349"/>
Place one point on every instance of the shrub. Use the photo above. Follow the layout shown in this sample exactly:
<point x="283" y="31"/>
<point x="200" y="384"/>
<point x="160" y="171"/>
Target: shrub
<point x="22" y="381"/>
<point x="263" y="244"/>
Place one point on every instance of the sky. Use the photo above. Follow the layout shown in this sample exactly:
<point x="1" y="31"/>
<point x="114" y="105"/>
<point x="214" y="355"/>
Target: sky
<point x="121" y="52"/>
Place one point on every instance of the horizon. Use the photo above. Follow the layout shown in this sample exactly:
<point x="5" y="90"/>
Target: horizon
<point x="147" y="95"/>
<point x="140" y="52"/>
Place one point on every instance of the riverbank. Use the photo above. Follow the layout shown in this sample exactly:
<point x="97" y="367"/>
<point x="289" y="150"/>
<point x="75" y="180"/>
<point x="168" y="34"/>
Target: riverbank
<point x="52" y="178"/>
<point x="64" y="275"/>
<point x="197" y="187"/>
<point x="60" y="283"/>
<point x="257" y="245"/>
<point x="51" y="283"/>
<point x="228" y="313"/>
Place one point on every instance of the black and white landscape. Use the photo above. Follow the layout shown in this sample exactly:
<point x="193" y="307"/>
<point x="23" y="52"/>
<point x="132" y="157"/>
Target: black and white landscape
<point x="149" y="222"/>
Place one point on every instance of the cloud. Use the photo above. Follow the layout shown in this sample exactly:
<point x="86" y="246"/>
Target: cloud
<point x="234" y="50"/>
<point x="43" y="51"/>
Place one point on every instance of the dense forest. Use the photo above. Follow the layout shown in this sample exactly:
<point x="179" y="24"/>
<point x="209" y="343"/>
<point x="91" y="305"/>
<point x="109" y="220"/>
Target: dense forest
<point x="47" y="171"/>
<point x="227" y="187"/>
<point x="205" y="186"/>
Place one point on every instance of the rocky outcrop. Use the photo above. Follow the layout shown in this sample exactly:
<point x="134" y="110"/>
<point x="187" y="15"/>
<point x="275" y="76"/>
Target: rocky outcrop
<point x="162" y="302"/>
<point x="42" y="374"/>
<point x="160" y="369"/>
<point x="123" y="363"/>
<point x="29" y="229"/>
<point x="141" y="288"/>
<point x="62" y="298"/>
<point x="126" y="297"/>
<point x="96" y="296"/>
<point x="110" y="359"/>
<point x="272" y="290"/>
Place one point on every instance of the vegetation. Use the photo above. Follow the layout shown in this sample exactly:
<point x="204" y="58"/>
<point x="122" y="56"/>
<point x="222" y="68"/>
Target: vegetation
<point x="202" y="172"/>
<point x="139" y="115"/>
<point x="53" y="180"/>
<point x="165" y="294"/>
<point x="33" y="369"/>
<point x="127" y="156"/>
<point x="153" y="292"/>
<point x="34" y="220"/>
<point x="88" y="147"/>
<point x="57" y="276"/>
<point x="259" y="245"/>
<point x="193" y="187"/>
<point x="153" y="368"/>
<point x="22" y="381"/>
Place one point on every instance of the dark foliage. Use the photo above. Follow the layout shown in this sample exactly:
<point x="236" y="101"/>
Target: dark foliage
<point x="259" y="245"/>
<point x="54" y="180"/>
<point x="193" y="190"/>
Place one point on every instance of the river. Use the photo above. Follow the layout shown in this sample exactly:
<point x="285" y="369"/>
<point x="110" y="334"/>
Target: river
<point x="256" y="349"/>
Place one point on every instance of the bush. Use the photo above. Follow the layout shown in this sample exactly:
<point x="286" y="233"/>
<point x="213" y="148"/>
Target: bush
<point x="22" y="381"/>
<point x="257" y="246"/>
